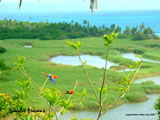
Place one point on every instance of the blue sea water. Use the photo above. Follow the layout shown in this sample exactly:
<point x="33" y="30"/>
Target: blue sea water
<point x="122" y="18"/>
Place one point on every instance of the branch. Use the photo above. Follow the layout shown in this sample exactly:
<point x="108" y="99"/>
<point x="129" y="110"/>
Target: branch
<point x="75" y="85"/>
<point x="45" y="83"/>
<point x="94" y="91"/>
<point x="124" y="93"/>
<point x="103" y="82"/>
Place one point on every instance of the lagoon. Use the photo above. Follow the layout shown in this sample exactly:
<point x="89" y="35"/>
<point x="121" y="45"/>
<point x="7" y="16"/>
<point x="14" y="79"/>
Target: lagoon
<point x="155" y="79"/>
<point x="95" y="61"/>
<point x="135" y="58"/>
<point x="28" y="46"/>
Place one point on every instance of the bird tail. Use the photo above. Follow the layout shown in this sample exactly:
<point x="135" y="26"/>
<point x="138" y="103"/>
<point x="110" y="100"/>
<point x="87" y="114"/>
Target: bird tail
<point x="45" y="74"/>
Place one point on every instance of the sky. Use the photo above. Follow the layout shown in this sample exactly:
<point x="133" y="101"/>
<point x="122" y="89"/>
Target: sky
<point x="76" y="5"/>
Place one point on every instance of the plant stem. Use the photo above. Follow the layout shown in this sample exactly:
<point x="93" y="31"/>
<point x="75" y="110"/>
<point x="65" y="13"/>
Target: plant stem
<point x="49" y="111"/>
<point x="123" y="94"/>
<point x="103" y="82"/>
<point x="94" y="91"/>
<point x="45" y="83"/>
<point x="75" y="85"/>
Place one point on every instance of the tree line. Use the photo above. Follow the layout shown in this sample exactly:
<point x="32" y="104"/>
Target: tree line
<point x="13" y="29"/>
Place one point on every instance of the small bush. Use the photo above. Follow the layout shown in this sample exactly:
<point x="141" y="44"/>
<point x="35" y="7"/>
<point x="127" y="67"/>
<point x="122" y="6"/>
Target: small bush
<point x="147" y="83"/>
<point x="135" y="97"/>
<point x="157" y="107"/>
<point x="124" y="50"/>
<point x="155" y="36"/>
<point x="122" y="36"/>
<point x="154" y="46"/>
<point x="2" y="50"/>
<point x="140" y="36"/>
<point x="138" y="51"/>
<point x="2" y="65"/>
<point x="46" y="37"/>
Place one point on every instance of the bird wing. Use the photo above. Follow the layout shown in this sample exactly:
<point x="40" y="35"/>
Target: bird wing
<point x="53" y="80"/>
<point x="46" y="74"/>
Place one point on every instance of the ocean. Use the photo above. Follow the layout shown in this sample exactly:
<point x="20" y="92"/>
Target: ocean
<point x="125" y="18"/>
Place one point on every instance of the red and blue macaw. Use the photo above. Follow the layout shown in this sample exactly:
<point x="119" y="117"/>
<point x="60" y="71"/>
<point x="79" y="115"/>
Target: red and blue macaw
<point x="51" y="77"/>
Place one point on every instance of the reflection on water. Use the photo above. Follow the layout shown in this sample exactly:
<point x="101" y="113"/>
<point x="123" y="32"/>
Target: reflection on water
<point x="95" y="61"/>
<point x="135" y="58"/>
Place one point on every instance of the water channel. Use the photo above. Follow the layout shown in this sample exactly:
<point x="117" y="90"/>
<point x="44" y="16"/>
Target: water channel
<point x="128" y="111"/>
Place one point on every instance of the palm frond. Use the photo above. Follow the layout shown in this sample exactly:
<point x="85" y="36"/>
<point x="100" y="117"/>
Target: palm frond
<point x="20" y="3"/>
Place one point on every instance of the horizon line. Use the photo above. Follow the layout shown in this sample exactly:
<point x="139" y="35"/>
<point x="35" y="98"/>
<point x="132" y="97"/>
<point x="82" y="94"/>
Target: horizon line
<point x="83" y="11"/>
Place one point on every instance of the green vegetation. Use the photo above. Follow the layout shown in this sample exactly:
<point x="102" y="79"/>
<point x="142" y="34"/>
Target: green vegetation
<point x="157" y="107"/>
<point x="53" y="96"/>
<point x="12" y="29"/>
<point x="2" y="50"/>
<point x="2" y="65"/>
<point x="38" y="61"/>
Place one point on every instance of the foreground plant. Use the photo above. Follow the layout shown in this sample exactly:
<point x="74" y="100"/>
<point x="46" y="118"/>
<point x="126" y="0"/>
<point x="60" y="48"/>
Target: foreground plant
<point x="157" y="107"/>
<point x="53" y="97"/>
<point x="125" y="84"/>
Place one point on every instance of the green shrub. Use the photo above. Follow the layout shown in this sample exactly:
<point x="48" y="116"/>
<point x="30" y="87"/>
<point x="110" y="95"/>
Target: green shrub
<point x="140" y="36"/>
<point x="124" y="50"/>
<point x="46" y="37"/>
<point x="157" y="107"/>
<point x="154" y="46"/>
<point x="138" y="51"/>
<point x="147" y="83"/>
<point x="122" y="36"/>
<point x="2" y="50"/>
<point x="135" y="96"/>
<point x="2" y="65"/>
<point x="155" y="36"/>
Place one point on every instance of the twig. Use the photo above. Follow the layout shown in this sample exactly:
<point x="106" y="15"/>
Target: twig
<point x="125" y="90"/>
<point x="49" y="111"/>
<point x="94" y="91"/>
<point x="103" y="82"/>
<point x="75" y="85"/>
<point x="45" y="83"/>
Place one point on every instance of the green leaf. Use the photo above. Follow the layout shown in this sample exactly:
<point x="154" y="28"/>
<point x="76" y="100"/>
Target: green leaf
<point x="109" y="38"/>
<point x="72" y="44"/>
<point x="85" y="62"/>
<point x="130" y="66"/>
<point x="139" y="56"/>
<point x="79" y="44"/>
<point x="84" y="92"/>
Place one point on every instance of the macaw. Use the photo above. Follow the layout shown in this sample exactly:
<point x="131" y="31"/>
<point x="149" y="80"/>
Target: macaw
<point x="52" y="77"/>
<point x="68" y="92"/>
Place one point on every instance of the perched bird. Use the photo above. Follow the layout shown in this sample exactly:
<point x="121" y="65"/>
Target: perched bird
<point x="68" y="92"/>
<point x="52" y="77"/>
